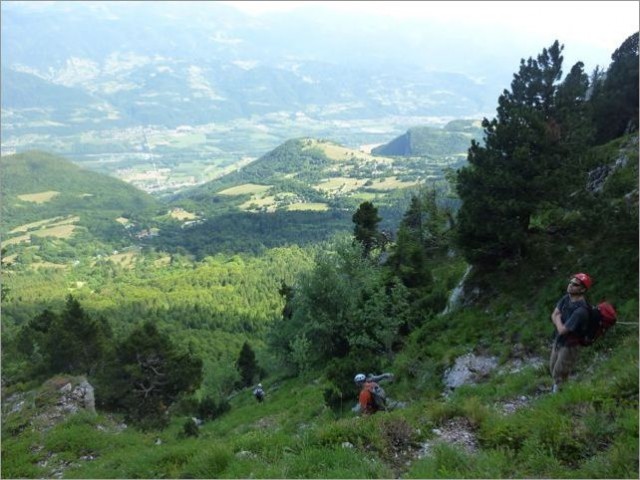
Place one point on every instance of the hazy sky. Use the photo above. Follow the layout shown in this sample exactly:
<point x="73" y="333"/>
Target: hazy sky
<point x="602" y="25"/>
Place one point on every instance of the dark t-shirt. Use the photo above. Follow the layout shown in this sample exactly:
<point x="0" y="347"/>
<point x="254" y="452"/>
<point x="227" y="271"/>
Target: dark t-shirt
<point x="574" y="316"/>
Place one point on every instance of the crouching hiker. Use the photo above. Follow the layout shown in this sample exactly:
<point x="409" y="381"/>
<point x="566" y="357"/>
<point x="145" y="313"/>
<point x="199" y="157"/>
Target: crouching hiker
<point x="258" y="392"/>
<point x="372" y="396"/>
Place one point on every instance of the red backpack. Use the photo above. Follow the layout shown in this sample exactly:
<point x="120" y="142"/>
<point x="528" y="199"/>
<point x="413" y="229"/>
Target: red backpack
<point x="601" y="318"/>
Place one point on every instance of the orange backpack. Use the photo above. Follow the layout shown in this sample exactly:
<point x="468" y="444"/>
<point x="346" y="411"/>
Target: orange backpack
<point x="378" y="396"/>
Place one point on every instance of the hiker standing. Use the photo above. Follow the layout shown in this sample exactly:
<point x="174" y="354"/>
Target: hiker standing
<point x="570" y="318"/>
<point x="258" y="392"/>
<point x="372" y="396"/>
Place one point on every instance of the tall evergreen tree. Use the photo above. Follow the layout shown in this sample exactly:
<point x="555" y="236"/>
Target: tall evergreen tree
<point x="408" y="258"/>
<point x="32" y="342"/>
<point x="438" y="222"/>
<point x="519" y="166"/>
<point x="573" y="129"/>
<point x="247" y="365"/>
<point x="286" y="292"/>
<point x="423" y="232"/>
<point x="76" y="342"/>
<point x="366" y="232"/>
<point x="149" y="373"/>
<point x="615" y="96"/>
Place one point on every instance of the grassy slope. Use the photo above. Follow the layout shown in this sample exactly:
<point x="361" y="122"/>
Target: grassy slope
<point x="588" y="430"/>
<point x="97" y="199"/>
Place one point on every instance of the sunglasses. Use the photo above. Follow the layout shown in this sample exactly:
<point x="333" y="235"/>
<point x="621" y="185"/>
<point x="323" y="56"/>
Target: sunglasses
<point x="575" y="284"/>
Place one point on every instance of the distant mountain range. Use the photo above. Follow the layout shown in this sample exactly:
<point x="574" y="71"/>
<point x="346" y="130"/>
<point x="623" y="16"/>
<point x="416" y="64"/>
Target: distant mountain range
<point x="171" y="93"/>
<point x="75" y="66"/>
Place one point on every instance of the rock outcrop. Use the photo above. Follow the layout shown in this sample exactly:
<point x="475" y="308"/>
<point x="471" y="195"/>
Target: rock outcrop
<point x="53" y="402"/>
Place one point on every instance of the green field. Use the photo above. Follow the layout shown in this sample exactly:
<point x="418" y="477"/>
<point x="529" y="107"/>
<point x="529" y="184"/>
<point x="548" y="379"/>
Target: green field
<point x="246" y="189"/>
<point x="318" y="207"/>
<point x="41" y="197"/>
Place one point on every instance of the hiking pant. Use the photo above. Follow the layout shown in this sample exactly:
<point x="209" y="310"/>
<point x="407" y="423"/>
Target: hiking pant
<point x="562" y="361"/>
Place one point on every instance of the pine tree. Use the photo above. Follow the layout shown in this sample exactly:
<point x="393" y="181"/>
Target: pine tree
<point x="76" y="342"/>
<point x="148" y="374"/>
<point x="32" y="340"/>
<point x="366" y="221"/>
<point x="286" y="292"/>
<point x="519" y="166"/>
<point x="247" y="365"/>
<point x="408" y="258"/>
<point x="615" y="96"/>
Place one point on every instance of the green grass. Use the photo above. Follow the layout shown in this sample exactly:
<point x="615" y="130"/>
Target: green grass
<point x="588" y="430"/>
<point x="244" y="189"/>
<point x="318" y="207"/>
<point x="20" y="458"/>
<point x="451" y="462"/>
<point x="41" y="197"/>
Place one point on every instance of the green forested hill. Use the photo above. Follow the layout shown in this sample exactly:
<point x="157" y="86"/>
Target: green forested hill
<point x="304" y="190"/>
<point x="300" y="167"/>
<point x="453" y="139"/>
<point x="40" y="187"/>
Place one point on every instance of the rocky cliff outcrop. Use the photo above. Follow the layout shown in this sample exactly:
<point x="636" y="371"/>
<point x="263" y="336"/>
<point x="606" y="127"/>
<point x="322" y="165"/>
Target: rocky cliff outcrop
<point x="52" y="403"/>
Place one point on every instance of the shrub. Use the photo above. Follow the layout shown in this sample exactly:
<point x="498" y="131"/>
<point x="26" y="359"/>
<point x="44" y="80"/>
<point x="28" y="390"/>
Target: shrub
<point x="398" y="436"/>
<point x="210" y="409"/>
<point x="190" y="429"/>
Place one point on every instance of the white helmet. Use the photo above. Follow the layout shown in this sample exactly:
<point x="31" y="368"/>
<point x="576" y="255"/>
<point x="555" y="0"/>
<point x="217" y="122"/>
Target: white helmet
<point x="359" y="378"/>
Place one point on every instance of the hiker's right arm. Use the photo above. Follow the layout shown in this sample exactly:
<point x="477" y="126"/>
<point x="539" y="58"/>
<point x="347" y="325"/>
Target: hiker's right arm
<point x="556" y="318"/>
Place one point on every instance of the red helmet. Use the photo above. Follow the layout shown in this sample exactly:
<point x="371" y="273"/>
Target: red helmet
<point x="585" y="279"/>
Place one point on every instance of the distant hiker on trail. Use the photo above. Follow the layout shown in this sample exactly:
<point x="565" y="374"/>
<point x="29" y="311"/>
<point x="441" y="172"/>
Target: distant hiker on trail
<point x="570" y="318"/>
<point x="258" y="392"/>
<point x="372" y="396"/>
